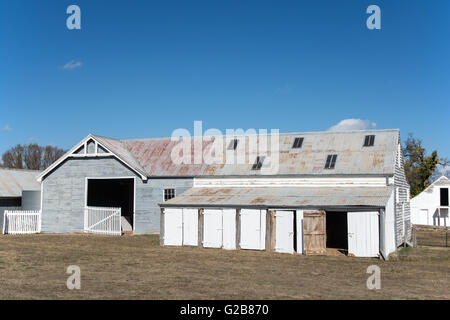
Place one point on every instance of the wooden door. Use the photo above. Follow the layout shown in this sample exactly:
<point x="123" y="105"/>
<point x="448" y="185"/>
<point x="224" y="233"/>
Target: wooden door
<point x="314" y="232"/>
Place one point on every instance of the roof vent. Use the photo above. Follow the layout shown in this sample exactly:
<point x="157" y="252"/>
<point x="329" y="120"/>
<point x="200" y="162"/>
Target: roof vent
<point x="331" y="161"/>
<point x="298" y="142"/>
<point x="258" y="163"/>
<point x="369" y="141"/>
<point x="233" y="144"/>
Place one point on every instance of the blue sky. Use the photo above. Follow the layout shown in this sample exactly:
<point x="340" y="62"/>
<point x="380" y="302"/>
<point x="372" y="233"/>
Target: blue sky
<point x="144" y="68"/>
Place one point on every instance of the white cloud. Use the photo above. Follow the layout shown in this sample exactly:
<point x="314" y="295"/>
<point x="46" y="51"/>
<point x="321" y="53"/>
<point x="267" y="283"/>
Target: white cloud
<point x="6" y="128"/>
<point x="444" y="170"/>
<point x="72" y="64"/>
<point x="353" y="124"/>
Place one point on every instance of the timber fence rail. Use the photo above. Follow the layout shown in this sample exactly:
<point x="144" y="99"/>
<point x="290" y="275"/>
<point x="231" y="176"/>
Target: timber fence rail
<point x="431" y="236"/>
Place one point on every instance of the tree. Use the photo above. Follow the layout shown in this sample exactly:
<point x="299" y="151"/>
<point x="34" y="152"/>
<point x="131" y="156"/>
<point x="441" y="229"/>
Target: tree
<point x="419" y="168"/>
<point x="51" y="154"/>
<point x="13" y="158"/>
<point x="31" y="156"/>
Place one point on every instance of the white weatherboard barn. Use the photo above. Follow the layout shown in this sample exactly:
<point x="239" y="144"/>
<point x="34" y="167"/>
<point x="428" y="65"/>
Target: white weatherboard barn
<point x="295" y="192"/>
<point x="343" y="190"/>
<point x="431" y="206"/>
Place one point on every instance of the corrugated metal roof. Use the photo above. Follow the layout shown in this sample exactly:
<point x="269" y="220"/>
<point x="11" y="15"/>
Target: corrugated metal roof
<point x="154" y="155"/>
<point x="13" y="182"/>
<point x="286" y="197"/>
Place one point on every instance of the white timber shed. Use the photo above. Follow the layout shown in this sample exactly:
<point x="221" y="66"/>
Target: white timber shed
<point x="431" y="206"/>
<point x="344" y="191"/>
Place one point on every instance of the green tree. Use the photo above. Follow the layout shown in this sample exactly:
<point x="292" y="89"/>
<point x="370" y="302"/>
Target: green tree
<point x="419" y="167"/>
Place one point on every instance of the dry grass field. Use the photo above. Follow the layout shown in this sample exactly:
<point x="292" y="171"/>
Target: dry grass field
<point x="136" y="267"/>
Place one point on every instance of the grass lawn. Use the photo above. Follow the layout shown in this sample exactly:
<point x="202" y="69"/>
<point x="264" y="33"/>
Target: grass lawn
<point x="136" y="267"/>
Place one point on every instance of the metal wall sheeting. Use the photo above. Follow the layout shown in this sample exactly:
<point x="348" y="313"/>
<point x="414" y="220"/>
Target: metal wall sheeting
<point x="283" y="197"/>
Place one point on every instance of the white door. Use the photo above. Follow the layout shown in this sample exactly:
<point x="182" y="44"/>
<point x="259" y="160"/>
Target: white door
<point x="212" y="228"/>
<point x="284" y="231"/>
<point x="190" y="227"/>
<point x="229" y="229"/>
<point x="423" y="217"/>
<point x="173" y="227"/>
<point x="253" y="229"/>
<point x="363" y="234"/>
<point x="299" y="226"/>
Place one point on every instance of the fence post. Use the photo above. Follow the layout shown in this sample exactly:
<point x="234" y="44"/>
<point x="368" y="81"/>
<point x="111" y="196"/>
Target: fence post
<point x="120" y="221"/>
<point x="85" y="218"/>
<point x="414" y="238"/>
<point x="4" y="221"/>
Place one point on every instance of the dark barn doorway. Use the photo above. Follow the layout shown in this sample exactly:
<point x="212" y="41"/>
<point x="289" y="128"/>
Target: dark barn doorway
<point x="337" y="233"/>
<point x="117" y="193"/>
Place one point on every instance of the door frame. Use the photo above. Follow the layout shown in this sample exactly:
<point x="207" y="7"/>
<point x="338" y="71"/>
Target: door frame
<point x="86" y="184"/>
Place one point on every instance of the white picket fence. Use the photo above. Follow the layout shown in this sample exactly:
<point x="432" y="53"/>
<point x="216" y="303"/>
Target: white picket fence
<point x="21" y="222"/>
<point x="103" y="220"/>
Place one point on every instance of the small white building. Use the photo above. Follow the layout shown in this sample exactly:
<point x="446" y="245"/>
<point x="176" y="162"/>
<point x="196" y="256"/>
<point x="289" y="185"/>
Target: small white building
<point x="431" y="206"/>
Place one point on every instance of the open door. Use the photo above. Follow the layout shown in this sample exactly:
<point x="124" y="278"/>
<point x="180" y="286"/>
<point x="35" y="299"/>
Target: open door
<point x="363" y="234"/>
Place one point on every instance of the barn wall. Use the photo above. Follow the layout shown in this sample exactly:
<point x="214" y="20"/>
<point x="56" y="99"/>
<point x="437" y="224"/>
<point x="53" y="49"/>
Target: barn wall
<point x="31" y="200"/>
<point x="402" y="203"/>
<point x="64" y="194"/>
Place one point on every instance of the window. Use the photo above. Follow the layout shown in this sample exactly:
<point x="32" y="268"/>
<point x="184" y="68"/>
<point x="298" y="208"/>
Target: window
<point x="369" y="141"/>
<point x="331" y="161"/>
<point x="233" y="144"/>
<point x="444" y="197"/>
<point x="169" y="194"/>
<point x="258" y="163"/>
<point x="297" y="143"/>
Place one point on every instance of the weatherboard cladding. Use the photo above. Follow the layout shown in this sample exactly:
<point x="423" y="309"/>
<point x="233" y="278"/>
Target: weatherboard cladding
<point x="402" y="206"/>
<point x="275" y="197"/>
<point x="64" y="194"/>
<point x="64" y="188"/>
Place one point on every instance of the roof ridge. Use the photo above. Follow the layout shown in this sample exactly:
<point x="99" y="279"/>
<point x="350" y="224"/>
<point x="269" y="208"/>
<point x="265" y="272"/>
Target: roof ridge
<point x="281" y="134"/>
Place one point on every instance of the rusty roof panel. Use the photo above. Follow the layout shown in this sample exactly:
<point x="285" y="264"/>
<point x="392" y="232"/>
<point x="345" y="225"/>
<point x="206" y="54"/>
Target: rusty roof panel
<point x="154" y="155"/>
<point x="14" y="181"/>
<point x="293" y="197"/>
